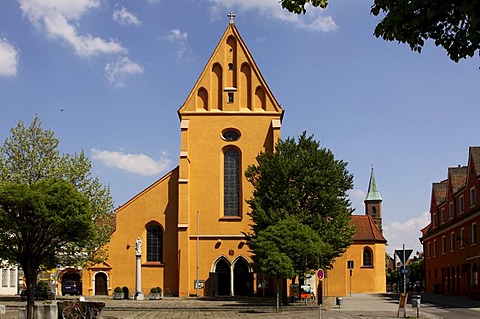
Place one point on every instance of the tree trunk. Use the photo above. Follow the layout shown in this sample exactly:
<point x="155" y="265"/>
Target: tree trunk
<point x="31" y="282"/>
<point x="278" y="296"/>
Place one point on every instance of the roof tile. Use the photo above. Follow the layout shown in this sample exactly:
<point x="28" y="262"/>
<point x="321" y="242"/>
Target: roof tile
<point x="366" y="229"/>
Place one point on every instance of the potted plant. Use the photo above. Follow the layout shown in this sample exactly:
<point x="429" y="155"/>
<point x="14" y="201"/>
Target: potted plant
<point x="117" y="293"/>
<point x="155" y="293"/>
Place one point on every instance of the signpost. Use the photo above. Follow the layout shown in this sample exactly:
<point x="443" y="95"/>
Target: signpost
<point x="320" y="276"/>
<point x="403" y="255"/>
<point x="350" y="265"/>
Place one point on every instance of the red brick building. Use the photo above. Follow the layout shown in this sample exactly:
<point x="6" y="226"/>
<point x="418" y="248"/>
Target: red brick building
<point x="450" y="242"/>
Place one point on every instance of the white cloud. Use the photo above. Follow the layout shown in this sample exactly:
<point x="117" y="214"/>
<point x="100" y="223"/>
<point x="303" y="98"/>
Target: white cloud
<point x="124" y="17"/>
<point x="116" y="71"/>
<point x="407" y="232"/>
<point x="58" y="19"/>
<point x="8" y="58"/>
<point x="357" y="196"/>
<point x="180" y="38"/>
<point x="136" y="163"/>
<point x="176" y="35"/>
<point x="314" y="20"/>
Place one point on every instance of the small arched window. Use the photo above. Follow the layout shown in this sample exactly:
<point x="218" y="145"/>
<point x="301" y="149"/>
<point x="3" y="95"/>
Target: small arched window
<point x="367" y="257"/>
<point x="154" y="243"/>
<point x="374" y="211"/>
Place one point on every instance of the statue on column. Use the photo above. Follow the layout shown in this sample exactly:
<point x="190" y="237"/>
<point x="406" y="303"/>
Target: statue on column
<point x="138" y="246"/>
<point x="138" y="295"/>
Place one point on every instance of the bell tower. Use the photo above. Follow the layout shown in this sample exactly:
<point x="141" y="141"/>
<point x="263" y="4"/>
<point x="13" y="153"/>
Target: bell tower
<point x="373" y="202"/>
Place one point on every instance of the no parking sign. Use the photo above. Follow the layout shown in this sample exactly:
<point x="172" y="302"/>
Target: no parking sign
<point x="320" y="274"/>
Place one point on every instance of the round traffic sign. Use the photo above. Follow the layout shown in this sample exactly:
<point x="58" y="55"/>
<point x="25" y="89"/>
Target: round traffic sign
<point x="320" y="274"/>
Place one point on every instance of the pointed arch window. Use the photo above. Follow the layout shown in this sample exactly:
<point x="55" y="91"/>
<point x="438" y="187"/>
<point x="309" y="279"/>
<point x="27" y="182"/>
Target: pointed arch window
<point x="367" y="257"/>
<point x="154" y="243"/>
<point x="231" y="191"/>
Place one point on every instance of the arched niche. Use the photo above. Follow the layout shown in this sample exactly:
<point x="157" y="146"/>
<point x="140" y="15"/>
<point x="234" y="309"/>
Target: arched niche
<point x="202" y="99"/>
<point x="245" y="88"/>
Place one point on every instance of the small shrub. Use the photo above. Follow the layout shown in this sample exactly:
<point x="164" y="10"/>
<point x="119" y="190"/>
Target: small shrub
<point x="44" y="286"/>
<point x="156" y="290"/>
<point x="117" y="290"/>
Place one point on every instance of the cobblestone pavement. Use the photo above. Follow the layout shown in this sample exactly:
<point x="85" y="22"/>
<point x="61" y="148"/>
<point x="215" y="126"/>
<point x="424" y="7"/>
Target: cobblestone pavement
<point x="363" y="306"/>
<point x="357" y="306"/>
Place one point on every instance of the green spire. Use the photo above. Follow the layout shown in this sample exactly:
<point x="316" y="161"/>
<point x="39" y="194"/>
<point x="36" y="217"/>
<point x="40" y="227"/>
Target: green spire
<point x="373" y="193"/>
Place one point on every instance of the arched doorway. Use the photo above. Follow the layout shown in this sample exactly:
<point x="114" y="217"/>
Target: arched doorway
<point x="222" y="272"/>
<point x="101" y="283"/>
<point x="241" y="278"/>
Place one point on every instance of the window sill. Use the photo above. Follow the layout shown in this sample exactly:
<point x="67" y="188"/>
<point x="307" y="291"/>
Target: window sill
<point x="153" y="264"/>
<point x="367" y="267"/>
<point x="230" y="218"/>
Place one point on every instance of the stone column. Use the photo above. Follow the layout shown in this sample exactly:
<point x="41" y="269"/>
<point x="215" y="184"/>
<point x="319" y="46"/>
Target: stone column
<point x="138" y="295"/>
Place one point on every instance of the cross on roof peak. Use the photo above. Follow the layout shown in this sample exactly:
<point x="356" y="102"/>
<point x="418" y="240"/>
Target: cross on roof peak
<point x="231" y="15"/>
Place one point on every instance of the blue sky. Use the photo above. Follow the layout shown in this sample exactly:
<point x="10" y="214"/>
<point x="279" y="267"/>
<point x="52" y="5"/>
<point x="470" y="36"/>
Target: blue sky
<point x="109" y="76"/>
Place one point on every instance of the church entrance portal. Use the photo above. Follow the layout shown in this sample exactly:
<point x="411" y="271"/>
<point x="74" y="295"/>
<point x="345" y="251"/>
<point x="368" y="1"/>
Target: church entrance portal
<point x="222" y="271"/>
<point x="221" y="279"/>
<point x="241" y="278"/>
<point x="100" y="284"/>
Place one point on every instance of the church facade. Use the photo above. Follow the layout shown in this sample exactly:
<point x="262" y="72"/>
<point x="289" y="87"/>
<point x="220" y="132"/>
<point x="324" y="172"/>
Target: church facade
<point x="192" y="221"/>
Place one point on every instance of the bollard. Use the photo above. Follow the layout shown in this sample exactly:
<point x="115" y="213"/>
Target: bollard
<point x="416" y="300"/>
<point x="339" y="301"/>
<point x="22" y="313"/>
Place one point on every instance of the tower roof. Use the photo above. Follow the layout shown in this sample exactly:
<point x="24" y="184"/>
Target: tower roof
<point x="373" y="193"/>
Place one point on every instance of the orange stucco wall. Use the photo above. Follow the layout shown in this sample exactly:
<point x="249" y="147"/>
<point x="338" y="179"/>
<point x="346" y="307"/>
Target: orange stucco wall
<point x="364" y="279"/>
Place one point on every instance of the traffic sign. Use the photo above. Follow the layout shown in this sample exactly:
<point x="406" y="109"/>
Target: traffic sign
<point x="320" y="274"/>
<point x="399" y="253"/>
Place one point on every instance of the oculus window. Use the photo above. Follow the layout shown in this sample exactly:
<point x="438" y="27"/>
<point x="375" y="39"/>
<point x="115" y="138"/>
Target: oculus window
<point x="231" y="135"/>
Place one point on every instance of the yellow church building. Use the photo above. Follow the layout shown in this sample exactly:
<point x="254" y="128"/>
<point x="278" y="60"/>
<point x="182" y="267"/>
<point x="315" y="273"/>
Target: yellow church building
<point x="191" y="221"/>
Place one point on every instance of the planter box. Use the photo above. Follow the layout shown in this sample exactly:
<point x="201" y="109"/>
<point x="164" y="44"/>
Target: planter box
<point x="155" y="296"/>
<point x="118" y="295"/>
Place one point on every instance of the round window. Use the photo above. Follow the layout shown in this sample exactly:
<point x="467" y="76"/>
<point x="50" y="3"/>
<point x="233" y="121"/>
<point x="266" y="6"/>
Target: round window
<point x="231" y="135"/>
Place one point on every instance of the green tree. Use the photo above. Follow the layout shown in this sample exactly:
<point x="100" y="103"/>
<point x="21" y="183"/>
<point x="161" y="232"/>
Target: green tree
<point x="37" y="221"/>
<point x="286" y="249"/>
<point x="32" y="154"/>
<point x="304" y="182"/>
<point x="453" y="25"/>
<point x="298" y="242"/>
<point x="298" y="6"/>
